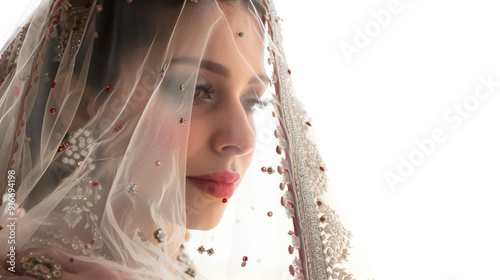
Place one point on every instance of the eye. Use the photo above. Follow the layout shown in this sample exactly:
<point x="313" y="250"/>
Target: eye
<point x="203" y="92"/>
<point x="252" y="104"/>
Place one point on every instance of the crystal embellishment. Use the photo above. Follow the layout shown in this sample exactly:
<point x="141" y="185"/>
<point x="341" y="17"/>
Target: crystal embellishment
<point x="160" y="235"/>
<point x="132" y="189"/>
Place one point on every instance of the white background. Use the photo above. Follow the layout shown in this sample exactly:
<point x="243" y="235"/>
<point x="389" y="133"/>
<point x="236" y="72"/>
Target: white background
<point x="369" y="109"/>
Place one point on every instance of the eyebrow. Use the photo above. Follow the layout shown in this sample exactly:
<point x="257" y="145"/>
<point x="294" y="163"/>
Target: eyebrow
<point x="217" y="68"/>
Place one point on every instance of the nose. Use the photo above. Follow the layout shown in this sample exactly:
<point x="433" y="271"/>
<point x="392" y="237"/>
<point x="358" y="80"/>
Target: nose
<point x="233" y="132"/>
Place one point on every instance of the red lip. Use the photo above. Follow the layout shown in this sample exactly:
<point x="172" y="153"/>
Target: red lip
<point x="220" y="184"/>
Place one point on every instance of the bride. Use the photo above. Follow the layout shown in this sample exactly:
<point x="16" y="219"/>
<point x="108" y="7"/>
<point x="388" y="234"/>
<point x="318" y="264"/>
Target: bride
<point x="127" y="123"/>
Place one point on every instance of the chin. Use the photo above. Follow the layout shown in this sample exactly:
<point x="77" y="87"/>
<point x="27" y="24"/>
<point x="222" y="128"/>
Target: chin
<point x="204" y="219"/>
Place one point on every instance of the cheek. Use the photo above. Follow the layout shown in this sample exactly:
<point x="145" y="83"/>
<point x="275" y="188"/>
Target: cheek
<point x="197" y="141"/>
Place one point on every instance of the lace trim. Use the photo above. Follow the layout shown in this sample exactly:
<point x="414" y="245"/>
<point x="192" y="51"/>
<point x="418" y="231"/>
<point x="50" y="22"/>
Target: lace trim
<point x="323" y="247"/>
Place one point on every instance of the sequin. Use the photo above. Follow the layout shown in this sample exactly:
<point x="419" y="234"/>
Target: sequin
<point x="201" y="249"/>
<point x="95" y="35"/>
<point x="210" y="251"/>
<point x="160" y="235"/>
<point x="263" y="169"/>
<point x="245" y="258"/>
<point x="53" y="85"/>
<point x="53" y="110"/>
<point x="88" y="246"/>
<point x="190" y="272"/>
<point x="241" y="34"/>
<point x="269" y="214"/>
<point x="108" y="89"/>
<point x="224" y="200"/>
<point x="132" y="189"/>
<point x="158" y="163"/>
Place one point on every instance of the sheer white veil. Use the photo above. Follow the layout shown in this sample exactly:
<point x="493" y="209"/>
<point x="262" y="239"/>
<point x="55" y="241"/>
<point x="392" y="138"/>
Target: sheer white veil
<point x="100" y="113"/>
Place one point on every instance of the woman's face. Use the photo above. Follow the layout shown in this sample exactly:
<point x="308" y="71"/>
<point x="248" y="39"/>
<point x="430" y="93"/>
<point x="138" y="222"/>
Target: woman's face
<point x="230" y="81"/>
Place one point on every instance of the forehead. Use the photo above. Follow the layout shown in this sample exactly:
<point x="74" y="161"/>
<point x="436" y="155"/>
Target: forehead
<point x="226" y="33"/>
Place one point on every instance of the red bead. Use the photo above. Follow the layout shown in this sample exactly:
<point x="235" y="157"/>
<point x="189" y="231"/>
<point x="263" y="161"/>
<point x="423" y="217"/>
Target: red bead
<point x="319" y="203"/>
<point x="224" y="200"/>
<point x="269" y="214"/>
<point x="274" y="115"/>
<point x="292" y="270"/>
<point x="56" y="21"/>
<point x="71" y="260"/>
<point x="278" y="150"/>
<point x="158" y="163"/>
<point x="245" y="258"/>
<point x="78" y="21"/>
<point x="108" y="89"/>
<point x="263" y="169"/>
<point x="53" y="85"/>
<point x="289" y="71"/>
<point x="88" y="246"/>
<point x="243" y="264"/>
<point x="88" y="4"/>
<point x="53" y="110"/>
<point x="290" y="249"/>
<point x="95" y="184"/>
<point x="322" y="168"/>
<point x="75" y="28"/>
<point x="308" y="123"/>
<point x="322" y="219"/>
<point x="16" y="91"/>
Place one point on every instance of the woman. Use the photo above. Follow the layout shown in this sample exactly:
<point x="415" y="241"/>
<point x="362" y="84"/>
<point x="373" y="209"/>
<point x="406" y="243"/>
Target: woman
<point x="127" y="123"/>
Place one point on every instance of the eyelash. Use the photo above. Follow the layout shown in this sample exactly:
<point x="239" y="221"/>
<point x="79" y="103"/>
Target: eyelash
<point x="206" y="87"/>
<point x="250" y="105"/>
